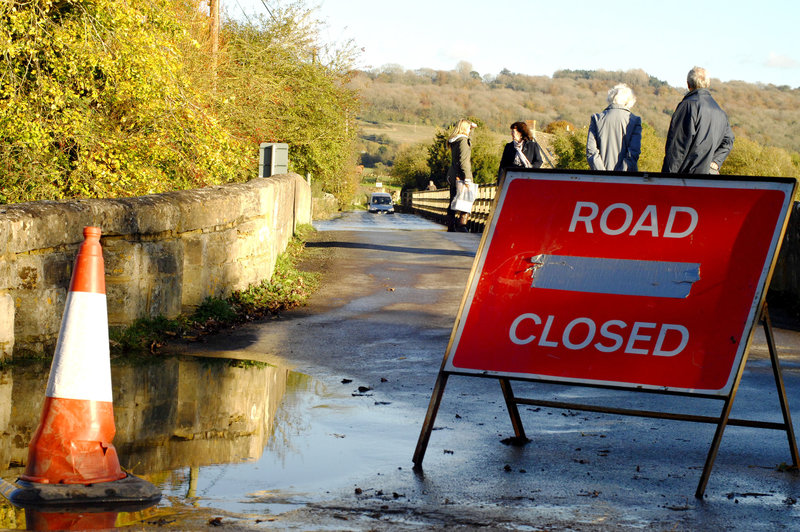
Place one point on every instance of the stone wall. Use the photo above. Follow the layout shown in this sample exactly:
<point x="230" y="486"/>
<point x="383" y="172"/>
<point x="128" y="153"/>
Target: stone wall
<point x="164" y="253"/>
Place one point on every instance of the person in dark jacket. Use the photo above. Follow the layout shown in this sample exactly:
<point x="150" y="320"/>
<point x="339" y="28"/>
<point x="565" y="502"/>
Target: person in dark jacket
<point x="615" y="135"/>
<point x="522" y="152"/>
<point x="700" y="137"/>
<point x="460" y="169"/>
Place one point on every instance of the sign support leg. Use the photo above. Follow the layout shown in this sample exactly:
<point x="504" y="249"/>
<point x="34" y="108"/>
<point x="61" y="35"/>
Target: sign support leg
<point x="430" y="417"/>
<point x="776" y="371"/>
<point x="721" y="424"/>
<point x="513" y="411"/>
<point x="724" y="416"/>
<point x="712" y="452"/>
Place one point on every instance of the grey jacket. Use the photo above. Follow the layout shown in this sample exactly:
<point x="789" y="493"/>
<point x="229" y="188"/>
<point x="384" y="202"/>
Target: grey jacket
<point x="460" y="162"/>
<point x="615" y="140"/>
<point x="699" y="134"/>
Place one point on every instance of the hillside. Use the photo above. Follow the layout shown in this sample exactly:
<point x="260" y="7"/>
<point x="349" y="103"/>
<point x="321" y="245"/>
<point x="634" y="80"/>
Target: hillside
<point x="766" y="114"/>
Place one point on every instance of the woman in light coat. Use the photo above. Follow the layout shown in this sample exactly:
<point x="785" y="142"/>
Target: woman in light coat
<point x="460" y="169"/>
<point x="615" y="135"/>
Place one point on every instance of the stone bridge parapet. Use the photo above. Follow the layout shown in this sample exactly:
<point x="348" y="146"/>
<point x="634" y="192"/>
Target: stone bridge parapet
<point x="164" y="253"/>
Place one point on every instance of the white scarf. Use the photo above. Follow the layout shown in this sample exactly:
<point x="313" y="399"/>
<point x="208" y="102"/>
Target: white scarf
<point x="521" y="156"/>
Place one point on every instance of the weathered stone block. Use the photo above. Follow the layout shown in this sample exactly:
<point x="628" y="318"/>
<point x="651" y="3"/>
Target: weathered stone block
<point x="121" y="260"/>
<point x="220" y="248"/>
<point x="57" y="269"/>
<point x="193" y="249"/>
<point x="38" y="313"/>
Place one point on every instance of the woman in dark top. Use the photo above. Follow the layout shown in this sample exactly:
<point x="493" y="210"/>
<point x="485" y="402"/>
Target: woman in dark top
<point x="521" y="152"/>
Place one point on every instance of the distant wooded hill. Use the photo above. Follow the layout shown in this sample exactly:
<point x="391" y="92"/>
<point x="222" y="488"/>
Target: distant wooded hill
<point x="767" y="114"/>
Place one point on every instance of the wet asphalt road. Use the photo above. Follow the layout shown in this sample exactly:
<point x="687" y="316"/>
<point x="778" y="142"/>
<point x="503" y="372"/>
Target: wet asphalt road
<point x="391" y="289"/>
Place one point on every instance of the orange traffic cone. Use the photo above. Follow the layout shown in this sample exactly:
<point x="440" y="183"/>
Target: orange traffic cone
<point x="73" y="442"/>
<point x="71" y="460"/>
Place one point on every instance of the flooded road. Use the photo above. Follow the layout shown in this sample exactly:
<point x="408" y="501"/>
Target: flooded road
<point x="223" y="437"/>
<point x="309" y="421"/>
<point x="217" y="437"/>
<point x="365" y="221"/>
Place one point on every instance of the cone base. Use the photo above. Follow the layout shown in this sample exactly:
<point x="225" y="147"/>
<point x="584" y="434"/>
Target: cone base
<point x="129" y="491"/>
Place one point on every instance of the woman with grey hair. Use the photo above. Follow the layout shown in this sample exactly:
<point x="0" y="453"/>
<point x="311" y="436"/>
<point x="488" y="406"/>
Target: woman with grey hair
<point x="615" y="135"/>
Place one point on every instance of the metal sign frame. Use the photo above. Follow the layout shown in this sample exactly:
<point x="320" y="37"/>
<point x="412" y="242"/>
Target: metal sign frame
<point x="755" y="314"/>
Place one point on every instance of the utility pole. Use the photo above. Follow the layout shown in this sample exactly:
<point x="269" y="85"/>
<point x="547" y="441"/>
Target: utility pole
<point x="214" y="31"/>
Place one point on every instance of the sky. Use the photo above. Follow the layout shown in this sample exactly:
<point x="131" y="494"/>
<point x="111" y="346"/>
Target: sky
<point x="754" y="41"/>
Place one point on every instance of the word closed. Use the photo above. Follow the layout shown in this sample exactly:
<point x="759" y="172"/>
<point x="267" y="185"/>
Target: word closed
<point x="641" y="338"/>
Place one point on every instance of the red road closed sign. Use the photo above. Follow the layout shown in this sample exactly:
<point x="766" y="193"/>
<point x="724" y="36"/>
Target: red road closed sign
<point x="620" y="280"/>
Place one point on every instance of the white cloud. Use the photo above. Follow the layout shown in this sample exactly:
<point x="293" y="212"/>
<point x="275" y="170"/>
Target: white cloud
<point x="781" y="61"/>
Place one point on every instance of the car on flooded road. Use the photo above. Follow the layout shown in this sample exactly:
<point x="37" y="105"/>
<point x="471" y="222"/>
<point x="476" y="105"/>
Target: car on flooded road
<point x="380" y="202"/>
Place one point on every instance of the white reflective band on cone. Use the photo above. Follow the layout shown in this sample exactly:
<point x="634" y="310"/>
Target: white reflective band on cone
<point x="83" y="340"/>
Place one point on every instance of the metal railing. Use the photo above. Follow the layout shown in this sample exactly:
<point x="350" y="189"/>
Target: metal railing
<point x="433" y="204"/>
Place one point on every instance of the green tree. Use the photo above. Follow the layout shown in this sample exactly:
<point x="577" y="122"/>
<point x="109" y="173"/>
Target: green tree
<point x="278" y="82"/>
<point x="104" y="98"/>
<point x="752" y="159"/>
<point x="411" y="166"/>
<point x="94" y="102"/>
<point x="570" y="148"/>
<point x="652" y="156"/>
<point x="486" y="152"/>
<point x="439" y="158"/>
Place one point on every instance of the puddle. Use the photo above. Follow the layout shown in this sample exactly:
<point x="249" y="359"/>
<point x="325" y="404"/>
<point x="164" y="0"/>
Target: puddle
<point x="214" y="435"/>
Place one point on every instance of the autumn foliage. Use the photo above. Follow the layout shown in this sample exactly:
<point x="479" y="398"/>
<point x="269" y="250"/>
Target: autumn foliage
<point x="765" y="118"/>
<point x="107" y="98"/>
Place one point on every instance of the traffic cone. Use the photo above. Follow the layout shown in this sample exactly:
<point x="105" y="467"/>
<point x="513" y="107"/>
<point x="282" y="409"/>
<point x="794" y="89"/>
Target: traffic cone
<point x="73" y="442"/>
<point x="71" y="460"/>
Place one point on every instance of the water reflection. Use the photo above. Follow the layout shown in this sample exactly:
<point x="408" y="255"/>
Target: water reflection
<point x="36" y="520"/>
<point x="172" y="416"/>
<point x="12" y="518"/>
<point x="190" y="412"/>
